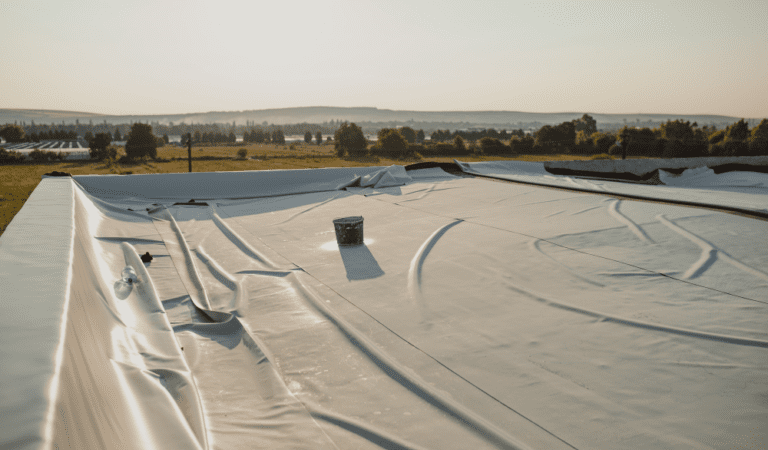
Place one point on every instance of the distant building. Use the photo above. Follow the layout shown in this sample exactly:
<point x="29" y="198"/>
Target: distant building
<point x="78" y="149"/>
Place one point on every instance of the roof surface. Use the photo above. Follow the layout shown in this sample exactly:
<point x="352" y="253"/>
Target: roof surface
<point x="477" y="314"/>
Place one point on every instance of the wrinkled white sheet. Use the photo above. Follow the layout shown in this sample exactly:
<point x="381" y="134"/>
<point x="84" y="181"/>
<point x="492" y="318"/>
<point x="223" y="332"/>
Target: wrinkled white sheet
<point x="477" y="315"/>
<point x="706" y="178"/>
<point x="747" y="191"/>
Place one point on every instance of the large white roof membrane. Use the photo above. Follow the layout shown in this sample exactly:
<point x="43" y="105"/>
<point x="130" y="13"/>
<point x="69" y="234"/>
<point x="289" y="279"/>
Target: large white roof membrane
<point x="478" y="314"/>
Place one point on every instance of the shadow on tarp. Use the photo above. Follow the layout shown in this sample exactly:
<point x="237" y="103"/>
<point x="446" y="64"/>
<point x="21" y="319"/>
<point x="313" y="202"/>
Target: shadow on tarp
<point x="360" y="263"/>
<point x="228" y="333"/>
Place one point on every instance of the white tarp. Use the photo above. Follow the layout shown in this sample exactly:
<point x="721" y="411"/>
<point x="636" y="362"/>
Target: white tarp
<point x="477" y="314"/>
<point x="745" y="191"/>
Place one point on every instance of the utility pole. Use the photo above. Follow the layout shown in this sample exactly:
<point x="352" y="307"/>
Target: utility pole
<point x="189" y="150"/>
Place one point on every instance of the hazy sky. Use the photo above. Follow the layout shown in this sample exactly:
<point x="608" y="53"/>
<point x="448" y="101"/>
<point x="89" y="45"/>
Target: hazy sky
<point x="155" y="57"/>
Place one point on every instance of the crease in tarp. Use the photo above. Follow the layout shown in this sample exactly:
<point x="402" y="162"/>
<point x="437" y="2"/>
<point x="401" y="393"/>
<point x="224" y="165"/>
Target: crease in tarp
<point x="408" y="378"/>
<point x="386" y="363"/>
<point x="220" y="185"/>
<point x="133" y="333"/>
<point x="225" y="328"/>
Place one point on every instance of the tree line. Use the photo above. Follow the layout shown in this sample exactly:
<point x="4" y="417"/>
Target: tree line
<point x="672" y="139"/>
<point x="676" y="138"/>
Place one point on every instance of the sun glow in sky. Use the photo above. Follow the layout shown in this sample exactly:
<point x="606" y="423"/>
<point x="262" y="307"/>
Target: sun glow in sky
<point x="162" y="57"/>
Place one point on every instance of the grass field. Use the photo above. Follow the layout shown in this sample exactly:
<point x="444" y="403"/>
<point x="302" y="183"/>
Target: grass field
<point x="18" y="181"/>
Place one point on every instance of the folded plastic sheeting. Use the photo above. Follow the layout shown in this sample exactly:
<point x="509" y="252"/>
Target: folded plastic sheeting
<point x="743" y="191"/>
<point x="219" y="185"/>
<point x="476" y="315"/>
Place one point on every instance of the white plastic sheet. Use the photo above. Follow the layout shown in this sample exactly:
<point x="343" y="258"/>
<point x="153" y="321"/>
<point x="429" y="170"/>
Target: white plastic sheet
<point x="477" y="314"/>
<point x="745" y="191"/>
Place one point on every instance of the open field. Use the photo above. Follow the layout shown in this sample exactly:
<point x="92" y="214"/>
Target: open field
<point x="18" y="181"/>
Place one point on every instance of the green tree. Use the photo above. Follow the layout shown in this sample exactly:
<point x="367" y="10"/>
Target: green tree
<point x="676" y="130"/>
<point x="717" y="137"/>
<point x="761" y="130"/>
<point x="603" y="141"/>
<point x="12" y="134"/>
<point x="459" y="145"/>
<point x="638" y="142"/>
<point x="420" y="136"/>
<point x="349" y="138"/>
<point x="758" y="140"/>
<point x="308" y="137"/>
<point x="98" y="145"/>
<point x="165" y="139"/>
<point x="557" y="137"/>
<point x="392" y="143"/>
<point x="278" y="137"/>
<point x="319" y="137"/>
<point x="409" y="134"/>
<point x="141" y="142"/>
<point x="117" y="135"/>
<point x="739" y="131"/>
<point x="586" y="124"/>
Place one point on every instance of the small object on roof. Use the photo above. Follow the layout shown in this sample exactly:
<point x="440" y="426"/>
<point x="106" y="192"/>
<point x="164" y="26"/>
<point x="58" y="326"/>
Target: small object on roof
<point x="146" y="257"/>
<point x="129" y="275"/>
<point x="191" y="203"/>
<point x="349" y="230"/>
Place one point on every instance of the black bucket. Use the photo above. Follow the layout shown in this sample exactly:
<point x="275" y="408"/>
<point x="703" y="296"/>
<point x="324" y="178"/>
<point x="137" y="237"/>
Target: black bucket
<point x="349" y="230"/>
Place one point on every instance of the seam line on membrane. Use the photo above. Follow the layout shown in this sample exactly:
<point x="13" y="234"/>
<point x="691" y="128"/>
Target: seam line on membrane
<point x="422" y="351"/>
<point x="443" y="365"/>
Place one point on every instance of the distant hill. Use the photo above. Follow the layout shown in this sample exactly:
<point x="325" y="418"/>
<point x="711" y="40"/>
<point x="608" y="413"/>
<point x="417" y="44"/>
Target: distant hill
<point x="320" y="114"/>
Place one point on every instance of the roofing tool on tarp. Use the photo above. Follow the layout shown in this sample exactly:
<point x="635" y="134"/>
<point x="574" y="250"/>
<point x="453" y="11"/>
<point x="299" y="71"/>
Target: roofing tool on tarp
<point x="349" y="230"/>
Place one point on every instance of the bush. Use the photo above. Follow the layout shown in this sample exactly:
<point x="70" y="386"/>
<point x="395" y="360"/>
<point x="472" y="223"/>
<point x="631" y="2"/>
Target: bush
<point x="602" y="156"/>
<point x="442" y="149"/>
<point x="584" y="148"/>
<point x="459" y="145"/>
<point x="242" y="153"/>
<point x="10" y="157"/>
<point x="391" y="144"/>
<point x="493" y="146"/>
<point x="717" y="149"/>
<point x="38" y="155"/>
<point x="603" y="142"/>
<point x="13" y="133"/>
<point x="735" y="148"/>
<point x="522" y="144"/>
<point x="675" y="148"/>
<point x="615" y="150"/>
<point x="758" y="147"/>
<point x="696" y="148"/>
<point x="109" y="152"/>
